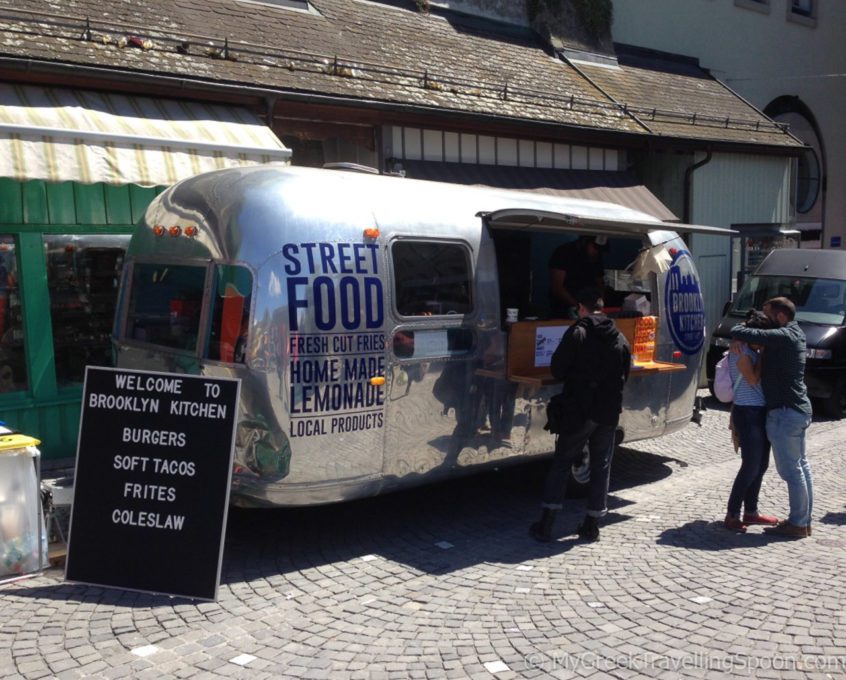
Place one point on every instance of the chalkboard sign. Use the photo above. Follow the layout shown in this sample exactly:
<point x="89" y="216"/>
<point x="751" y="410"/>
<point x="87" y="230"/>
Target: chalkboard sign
<point x="153" y="468"/>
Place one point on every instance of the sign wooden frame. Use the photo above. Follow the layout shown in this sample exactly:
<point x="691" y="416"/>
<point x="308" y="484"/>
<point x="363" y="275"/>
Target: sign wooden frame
<point x="152" y="482"/>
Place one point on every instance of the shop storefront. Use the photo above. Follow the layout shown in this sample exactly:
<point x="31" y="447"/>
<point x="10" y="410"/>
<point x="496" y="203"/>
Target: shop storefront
<point x="77" y="171"/>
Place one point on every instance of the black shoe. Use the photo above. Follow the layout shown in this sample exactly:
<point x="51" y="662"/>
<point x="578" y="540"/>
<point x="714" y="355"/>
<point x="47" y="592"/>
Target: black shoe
<point x="589" y="530"/>
<point x="542" y="529"/>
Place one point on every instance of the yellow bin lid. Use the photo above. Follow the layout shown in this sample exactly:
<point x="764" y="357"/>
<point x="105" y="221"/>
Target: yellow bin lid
<point x="17" y="441"/>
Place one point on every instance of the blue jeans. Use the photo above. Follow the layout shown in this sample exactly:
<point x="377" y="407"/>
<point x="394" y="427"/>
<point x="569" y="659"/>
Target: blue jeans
<point x="569" y="447"/>
<point x="786" y="430"/>
<point x="750" y="424"/>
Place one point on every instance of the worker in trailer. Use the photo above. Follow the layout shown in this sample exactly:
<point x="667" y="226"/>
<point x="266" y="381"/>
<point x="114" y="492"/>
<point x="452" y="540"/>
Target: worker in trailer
<point x="574" y="266"/>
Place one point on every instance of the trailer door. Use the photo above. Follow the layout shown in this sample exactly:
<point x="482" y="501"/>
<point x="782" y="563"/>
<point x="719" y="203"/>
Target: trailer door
<point x="430" y="400"/>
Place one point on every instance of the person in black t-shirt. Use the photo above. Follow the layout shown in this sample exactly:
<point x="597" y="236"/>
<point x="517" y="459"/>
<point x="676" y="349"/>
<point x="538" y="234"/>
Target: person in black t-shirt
<point x="572" y="267"/>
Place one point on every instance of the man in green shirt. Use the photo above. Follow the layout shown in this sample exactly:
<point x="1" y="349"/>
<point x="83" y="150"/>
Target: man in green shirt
<point x="788" y="408"/>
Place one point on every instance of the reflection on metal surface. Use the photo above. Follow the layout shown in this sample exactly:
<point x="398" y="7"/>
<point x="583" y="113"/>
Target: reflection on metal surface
<point x="348" y="390"/>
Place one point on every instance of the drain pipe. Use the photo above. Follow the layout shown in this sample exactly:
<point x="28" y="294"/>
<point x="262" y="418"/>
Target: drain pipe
<point x="688" y="181"/>
<point x="698" y="406"/>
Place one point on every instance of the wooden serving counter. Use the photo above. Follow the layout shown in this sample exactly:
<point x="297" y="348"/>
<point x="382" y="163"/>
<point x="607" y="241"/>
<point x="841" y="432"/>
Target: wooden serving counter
<point x="525" y="343"/>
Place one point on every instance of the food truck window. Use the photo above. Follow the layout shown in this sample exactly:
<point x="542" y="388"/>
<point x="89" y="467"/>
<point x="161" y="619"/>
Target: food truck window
<point x="233" y="287"/>
<point x="431" y="278"/>
<point x="13" y="375"/>
<point x="83" y="272"/>
<point x="165" y="302"/>
<point x="431" y="343"/>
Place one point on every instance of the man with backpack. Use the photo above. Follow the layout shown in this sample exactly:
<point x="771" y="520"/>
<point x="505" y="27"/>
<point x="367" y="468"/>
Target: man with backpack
<point x="593" y="361"/>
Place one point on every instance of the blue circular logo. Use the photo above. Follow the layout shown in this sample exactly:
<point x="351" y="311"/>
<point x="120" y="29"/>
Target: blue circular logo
<point x="685" y="308"/>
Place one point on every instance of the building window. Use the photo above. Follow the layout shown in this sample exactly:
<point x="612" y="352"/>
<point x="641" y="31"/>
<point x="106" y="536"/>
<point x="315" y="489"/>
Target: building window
<point x="414" y="144"/>
<point x="802" y="12"/>
<point x="810" y="165"/>
<point x="804" y="8"/>
<point x="286" y="4"/>
<point x="762" y="6"/>
<point x="807" y="181"/>
<point x="13" y="372"/>
<point x="83" y="272"/>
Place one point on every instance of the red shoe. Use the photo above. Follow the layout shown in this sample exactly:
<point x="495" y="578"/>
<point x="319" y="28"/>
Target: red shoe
<point x="758" y="518"/>
<point x="734" y="524"/>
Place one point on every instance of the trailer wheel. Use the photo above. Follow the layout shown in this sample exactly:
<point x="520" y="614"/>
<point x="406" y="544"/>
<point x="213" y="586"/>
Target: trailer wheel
<point x="580" y="470"/>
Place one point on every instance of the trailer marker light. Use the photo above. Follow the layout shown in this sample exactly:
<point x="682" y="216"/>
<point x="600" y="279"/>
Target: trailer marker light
<point x="191" y="231"/>
<point x="377" y="380"/>
<point x="174" y="231"/>
<point x="371" y="232"/>
<point x="677" y="354"/>
<point x="159" y="230"/>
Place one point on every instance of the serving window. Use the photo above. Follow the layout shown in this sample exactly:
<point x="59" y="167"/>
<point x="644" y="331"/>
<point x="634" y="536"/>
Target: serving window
<point x="431" y="278"/>
<point x="525" y="260"/>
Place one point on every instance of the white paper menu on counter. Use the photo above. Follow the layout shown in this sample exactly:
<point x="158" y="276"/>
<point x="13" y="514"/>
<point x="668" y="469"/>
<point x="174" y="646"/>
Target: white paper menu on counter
<point x="546" y="342"/>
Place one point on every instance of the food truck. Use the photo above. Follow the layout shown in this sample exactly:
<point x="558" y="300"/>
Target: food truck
<point x="366" y="318"/>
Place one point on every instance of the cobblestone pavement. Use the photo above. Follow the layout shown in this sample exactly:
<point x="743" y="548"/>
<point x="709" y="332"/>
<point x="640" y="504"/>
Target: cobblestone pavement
<point x="444" y="582"/>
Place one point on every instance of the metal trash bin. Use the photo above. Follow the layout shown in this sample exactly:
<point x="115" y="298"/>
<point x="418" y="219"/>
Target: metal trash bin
<point x="23" y="537"/>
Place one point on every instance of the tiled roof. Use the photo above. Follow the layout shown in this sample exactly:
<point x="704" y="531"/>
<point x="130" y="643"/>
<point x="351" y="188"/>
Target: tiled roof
<point x="676" y="98"/>
<point x="356" y="49"/>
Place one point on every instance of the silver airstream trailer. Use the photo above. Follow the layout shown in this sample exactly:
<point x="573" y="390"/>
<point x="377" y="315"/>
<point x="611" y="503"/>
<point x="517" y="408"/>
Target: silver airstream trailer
<point x="365" y="317"/>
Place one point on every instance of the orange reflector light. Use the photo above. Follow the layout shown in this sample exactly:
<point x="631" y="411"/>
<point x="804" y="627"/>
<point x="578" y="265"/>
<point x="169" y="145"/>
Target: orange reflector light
<point x="174" y="231"/>
<point x="159" y="230"/>
<point x="191" y="231"/>
<point x="377" y="380"/>
<point x="371" y="232"/>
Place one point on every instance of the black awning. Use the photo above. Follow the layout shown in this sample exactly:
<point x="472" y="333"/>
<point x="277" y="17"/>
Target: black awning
<point x="596" y="185"/>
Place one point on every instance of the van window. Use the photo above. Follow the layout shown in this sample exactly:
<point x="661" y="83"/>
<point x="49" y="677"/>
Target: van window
<point x="165" y="304"/>
<point x="233" y="287"/>
<point x="820" y="301"/>
<point x="431" y="278"/>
